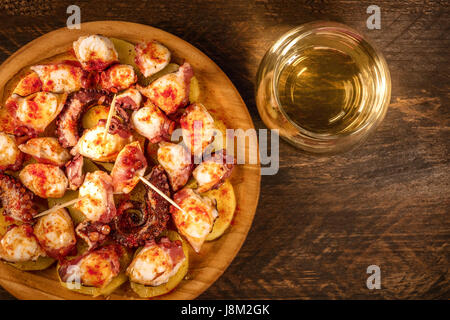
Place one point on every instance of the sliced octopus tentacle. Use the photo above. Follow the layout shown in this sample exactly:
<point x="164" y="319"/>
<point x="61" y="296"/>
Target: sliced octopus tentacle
<point x="77" y="103"/>
<point x="136" y="222"/>
<point x="24" y="133"/>
<point x="119" y="127"/>
<point x="93" y="233"/>
<point x="120" y="123"/>
<point x="17" y="201"/>
<point x="74" y="172"/>
<point x="122" y="113"/>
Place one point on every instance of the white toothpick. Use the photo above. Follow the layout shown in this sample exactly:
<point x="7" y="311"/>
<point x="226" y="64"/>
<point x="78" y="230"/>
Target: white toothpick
<point x="57" y="207"/>
<point x="112" y="111"/>
<point x="161" y="194"/>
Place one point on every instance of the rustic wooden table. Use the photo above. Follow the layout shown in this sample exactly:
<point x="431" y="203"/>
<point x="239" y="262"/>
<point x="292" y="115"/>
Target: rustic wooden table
<point x="320" y="221"/>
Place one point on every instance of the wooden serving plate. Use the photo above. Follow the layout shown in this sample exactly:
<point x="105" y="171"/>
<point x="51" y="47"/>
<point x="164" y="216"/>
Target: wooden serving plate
<point x="224" y="102"/>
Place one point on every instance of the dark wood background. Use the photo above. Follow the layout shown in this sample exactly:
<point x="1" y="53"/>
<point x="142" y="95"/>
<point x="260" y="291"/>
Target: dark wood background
<point x="320" y="221"/>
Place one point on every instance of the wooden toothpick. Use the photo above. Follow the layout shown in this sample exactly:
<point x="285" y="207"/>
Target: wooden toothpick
<point x="161" y="194"/>
<point x="112" y="111"/>
<point x="59" y="206"/>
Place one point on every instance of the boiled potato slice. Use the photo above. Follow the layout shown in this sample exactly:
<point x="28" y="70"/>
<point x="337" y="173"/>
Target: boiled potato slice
<point x="139" y="193"/>
<point x="127" y="55"/>
<point x="138" y="137"/>
<point x="226" y="206"/>
<point x="194" y="90"/>
<point x="93" y="115"/>
<point x="218" y="143"/>
<point x="149" y="291"/>
<point x="4" y="223"/>
<point x="152" y="152"/>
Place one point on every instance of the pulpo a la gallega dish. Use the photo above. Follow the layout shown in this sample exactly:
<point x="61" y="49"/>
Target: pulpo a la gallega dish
<point x="78" y="133"/>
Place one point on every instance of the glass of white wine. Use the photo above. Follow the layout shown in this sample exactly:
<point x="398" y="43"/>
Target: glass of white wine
<point x="324" y="87"/>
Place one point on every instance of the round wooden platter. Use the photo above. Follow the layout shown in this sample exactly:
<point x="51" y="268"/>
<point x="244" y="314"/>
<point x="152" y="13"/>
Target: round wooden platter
<point x="224" y="102"/>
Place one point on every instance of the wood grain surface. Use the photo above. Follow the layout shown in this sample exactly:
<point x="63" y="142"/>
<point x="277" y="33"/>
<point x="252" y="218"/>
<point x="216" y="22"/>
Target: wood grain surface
<point x="320" y="222"/>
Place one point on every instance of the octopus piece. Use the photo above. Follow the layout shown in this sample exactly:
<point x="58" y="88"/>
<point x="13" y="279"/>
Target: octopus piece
<point x="211" y="174"/>
<point x="152" y="123"/>
<point x="197" y="127"/>
<point x="137" y="222"/>
<point x="96" y="268"/>
<point x="122" y="114"/>
<point x="44" y="180"/>
<point x="129" y="166"/>
<point x="95" y="52"/>
<point x="97" y="193"/>
<point x="77" y="103"/>
<point x="74" y="172"/>
<point x="8" y="120"/>
<point x="156" y="262"/>
<point x="93" y="233"/>
<point x="56" y="234"/>
<point x="98" y="147"/>
<point x="171" y="91"/>
<point x="16" y="200"/>
<point x="11" y="124"/>
<point x="176" y="160"/>
<point x="28" y="85"/>
<point x="24" y="133"/>
<point x="46" y="150"/>
<point x="159" y="205"/>
<point x="129" y="99"/>
<point x="59" y="77"/>
<point x="118" y="77"/>
<point x="20" y="245"/>
<point x="10" y="156"/>
<point x="38" y="110"/>
<point x="90" y="79"/>
<point x="151" y="57"/>
<point x="196" y="220"/>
